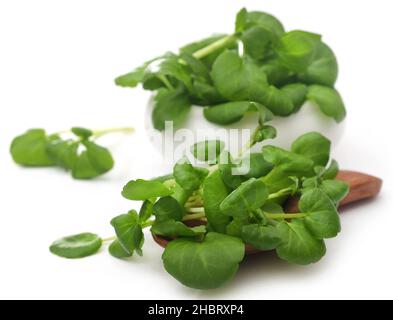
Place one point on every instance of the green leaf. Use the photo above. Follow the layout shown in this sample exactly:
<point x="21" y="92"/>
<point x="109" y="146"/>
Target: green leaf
<point x="227" y="169"/>
<point x="146" y="211"/>
<point x="323" y="69"/>
<point x="129" y="232"/>
<point x="297" y="93"/>
<point x="314" y="146"/>
<point x="254" y="166"/>
<point x="298" y="245"/>
<point x="238" y="79"/>
<point x="322" y="218"/>
<point x="241" y="20"/>
<point x="174" y="229"/>
<point x="335" y="190"/>
<point x="171" y="66"/>
<point x="246" y="20"/>
<point x="188" y="177"/>
<point x="328" y="100"/>
<point x="117" y="251"/>
<point x="144" y="190"/>
<point x="265" y="133"/>
<point x="277" y="74"/>
<point x="133" y="78"/>
<point x="92" y="162"/>
<point x="215" y="191"/>
<point x="82" y="132"/>
<point x="234" y="229"/>
<point x="296" y="50"/>
<point x="276" y="100"/>
<point x="227" y="113"/>
<point x="168" y="208"/>
<point x="77" y="246"/>
<point x="63" y="153"/>
<point x="261" y="237"/>
<point x="257" y="41"/>
<point x="170" y="106"/>
<point x="250" y="196"/>
<point x="208" y="150"/>
<point x="29" y="149"/>
<point x="180" y="195"/>
<point x="332" y="171"/>
<point x="204" y="265"/>
<point x="289" y="162"/>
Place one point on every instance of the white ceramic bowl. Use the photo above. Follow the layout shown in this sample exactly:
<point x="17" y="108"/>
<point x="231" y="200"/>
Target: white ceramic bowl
<point x="197" y="128"/>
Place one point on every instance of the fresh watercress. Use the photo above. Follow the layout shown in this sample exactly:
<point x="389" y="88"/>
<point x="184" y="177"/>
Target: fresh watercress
<point x="277" y="68"/>
<point x="78" y="153"/>
<point x="210" y="214"/>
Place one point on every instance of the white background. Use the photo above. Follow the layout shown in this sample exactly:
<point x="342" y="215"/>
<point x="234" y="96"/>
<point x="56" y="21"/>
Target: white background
<point x="58" y="60"/>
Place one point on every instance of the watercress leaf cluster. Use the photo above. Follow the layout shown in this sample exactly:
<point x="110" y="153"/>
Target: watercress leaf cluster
<point x="277" y="68"/>
<point x="208" y="215"/>
<point x="79" y="153"/>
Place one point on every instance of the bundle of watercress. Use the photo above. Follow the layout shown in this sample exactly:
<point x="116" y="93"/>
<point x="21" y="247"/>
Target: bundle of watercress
<point x="231" y="209"/>
<point x="260" y="62"/>
<point x="79" y="153"/>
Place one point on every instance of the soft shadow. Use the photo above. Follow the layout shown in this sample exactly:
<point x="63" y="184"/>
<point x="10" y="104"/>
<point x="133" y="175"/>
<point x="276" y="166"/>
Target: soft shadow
<point x="259" y="267"/>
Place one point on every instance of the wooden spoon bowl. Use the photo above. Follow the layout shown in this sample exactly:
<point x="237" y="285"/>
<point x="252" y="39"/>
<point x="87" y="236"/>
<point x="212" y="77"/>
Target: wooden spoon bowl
<point x="361" y="187"/>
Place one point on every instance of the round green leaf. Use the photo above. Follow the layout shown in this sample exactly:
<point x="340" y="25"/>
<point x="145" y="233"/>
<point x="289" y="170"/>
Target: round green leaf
<point x="29" y="149"/>
<point x="314" y="146"/>
<point x="328" y="100"/>
<point x="322" y="216"/>
<point x="116" y="250"/>
<point x="168" y="208"/>
<point x="298" y="244"/>
<point x="261" y="237"/>
<point x="215" y="191"/>
<point x="227" y="113"/>
<point x="144" y="190"/>
<point x="250" y="196"/>
<point x="77" y="246"/>
<point x="204" y="265"/>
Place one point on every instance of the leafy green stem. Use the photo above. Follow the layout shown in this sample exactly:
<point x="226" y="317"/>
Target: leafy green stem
<point x="213" y="47"/>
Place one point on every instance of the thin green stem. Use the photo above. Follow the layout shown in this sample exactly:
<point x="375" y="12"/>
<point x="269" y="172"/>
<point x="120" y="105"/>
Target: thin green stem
<point x="147" y="224"/>
<point x="217" y="45"/>
<point x="196" y="210"/>
<point x="99" y="133"/>
<point x="285" y="215"/>
<point x="281" y="193"/>
<point x="109" y="239"/>
<point x="194" y="216"/>
<point x="166" y="82"/>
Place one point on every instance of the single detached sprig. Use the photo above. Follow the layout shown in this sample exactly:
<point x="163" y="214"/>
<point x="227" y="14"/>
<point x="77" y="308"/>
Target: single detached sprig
<point x="74" y="150"/>
<point x="211" y="213"/>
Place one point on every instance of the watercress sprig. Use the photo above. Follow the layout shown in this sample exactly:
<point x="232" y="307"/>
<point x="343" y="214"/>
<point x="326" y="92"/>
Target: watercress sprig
<point x="210" y="213"/>
<point x="277" y="69"/>
<point x="78" y="152"/>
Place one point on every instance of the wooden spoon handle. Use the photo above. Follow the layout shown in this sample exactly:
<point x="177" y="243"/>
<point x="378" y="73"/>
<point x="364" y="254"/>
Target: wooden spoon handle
<point x="361" y="186"/>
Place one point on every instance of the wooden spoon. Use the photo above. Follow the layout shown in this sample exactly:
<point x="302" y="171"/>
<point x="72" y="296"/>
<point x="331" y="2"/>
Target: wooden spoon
<point x="361" y="187"/>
